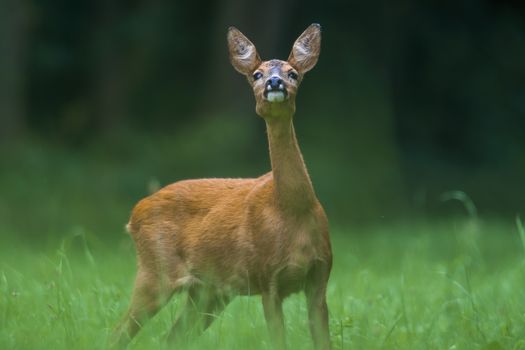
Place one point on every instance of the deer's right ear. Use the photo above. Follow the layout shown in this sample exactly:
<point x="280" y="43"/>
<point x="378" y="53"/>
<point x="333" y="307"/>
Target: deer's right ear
<point x="243" y="54"/>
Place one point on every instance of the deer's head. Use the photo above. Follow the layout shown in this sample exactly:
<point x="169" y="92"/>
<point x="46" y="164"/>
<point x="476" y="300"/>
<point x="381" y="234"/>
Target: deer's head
<point x="275" y="82"/>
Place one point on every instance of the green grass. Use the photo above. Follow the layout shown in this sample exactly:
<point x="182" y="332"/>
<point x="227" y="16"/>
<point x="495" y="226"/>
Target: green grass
<point x="449" y="285"/>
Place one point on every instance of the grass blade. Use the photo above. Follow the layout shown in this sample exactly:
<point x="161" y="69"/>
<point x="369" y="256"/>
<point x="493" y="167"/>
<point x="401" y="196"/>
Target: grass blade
<point x="521" y="231"/>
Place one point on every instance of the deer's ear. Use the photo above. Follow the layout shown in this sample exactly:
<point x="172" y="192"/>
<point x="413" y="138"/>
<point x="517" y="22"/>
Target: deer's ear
<point x="306" y="49"/>
<point x="243" y="54"/>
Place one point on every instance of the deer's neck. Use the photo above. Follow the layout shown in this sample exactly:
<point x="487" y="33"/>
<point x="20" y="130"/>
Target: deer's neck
<point x="292" y="185"/>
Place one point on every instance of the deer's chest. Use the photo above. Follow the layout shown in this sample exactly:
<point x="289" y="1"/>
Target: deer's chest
<point x="298" y="262"/>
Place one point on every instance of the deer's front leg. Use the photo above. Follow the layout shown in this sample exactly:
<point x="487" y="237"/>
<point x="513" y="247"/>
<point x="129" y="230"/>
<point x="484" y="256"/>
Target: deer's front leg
<point x="317" y="309"/>
<point x="273" y="313"/>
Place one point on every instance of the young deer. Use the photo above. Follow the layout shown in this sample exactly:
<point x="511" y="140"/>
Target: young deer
<point x="217" y="238"/>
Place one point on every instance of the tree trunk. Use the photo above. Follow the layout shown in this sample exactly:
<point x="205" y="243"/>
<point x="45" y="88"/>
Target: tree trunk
<point x="109" y="74"/>
<point x="13" y="43"/>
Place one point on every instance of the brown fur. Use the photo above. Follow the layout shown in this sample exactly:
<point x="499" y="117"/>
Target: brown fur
<point x="218" y="238"/>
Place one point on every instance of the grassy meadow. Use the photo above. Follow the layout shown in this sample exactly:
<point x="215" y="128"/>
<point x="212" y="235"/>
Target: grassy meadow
<point x="456" y="284"/>
<point x="67" y="267"/>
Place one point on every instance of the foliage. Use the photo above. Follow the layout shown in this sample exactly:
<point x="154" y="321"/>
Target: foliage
<point x="409" y="100"/>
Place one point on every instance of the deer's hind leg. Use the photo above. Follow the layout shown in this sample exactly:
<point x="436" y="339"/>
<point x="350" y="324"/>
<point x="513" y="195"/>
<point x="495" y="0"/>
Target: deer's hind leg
<point x="147" y="299"/>
<point x="202" y="307"/>
<point x="154" y="286"/>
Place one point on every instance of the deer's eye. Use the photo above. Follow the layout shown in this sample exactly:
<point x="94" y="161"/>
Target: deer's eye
<point x="257" y="76"/>
<point x="292" y="75"/>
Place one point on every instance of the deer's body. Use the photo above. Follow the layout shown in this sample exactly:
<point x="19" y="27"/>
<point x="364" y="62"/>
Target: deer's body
<point x="217" y="238"/>
<point x="210" y="233"/>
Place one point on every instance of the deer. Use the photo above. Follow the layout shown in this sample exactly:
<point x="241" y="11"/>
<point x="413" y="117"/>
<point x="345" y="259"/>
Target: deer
<point x="220" y="238"/>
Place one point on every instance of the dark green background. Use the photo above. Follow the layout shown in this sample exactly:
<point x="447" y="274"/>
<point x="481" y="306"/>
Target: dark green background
<point x="102" y="101"/>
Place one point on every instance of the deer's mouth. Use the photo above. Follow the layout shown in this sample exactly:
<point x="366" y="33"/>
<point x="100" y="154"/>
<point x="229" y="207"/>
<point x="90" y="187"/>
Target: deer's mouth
<point x="275" y="94"/>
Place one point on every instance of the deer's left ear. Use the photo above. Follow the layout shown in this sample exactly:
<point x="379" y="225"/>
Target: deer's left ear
<point x="243" y="54"/>
<point x="306" y="49"/>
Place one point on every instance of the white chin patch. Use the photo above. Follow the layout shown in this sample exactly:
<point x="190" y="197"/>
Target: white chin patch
<point x="275" y="96"/>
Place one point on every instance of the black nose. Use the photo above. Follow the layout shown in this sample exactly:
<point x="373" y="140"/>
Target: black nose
<point x="274" y="82"/>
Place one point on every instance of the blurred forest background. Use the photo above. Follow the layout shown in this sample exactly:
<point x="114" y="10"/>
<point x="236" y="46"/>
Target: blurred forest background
<point x="102" y="101"/>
